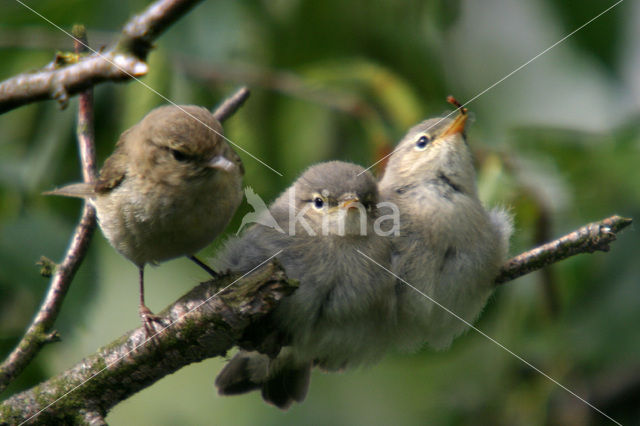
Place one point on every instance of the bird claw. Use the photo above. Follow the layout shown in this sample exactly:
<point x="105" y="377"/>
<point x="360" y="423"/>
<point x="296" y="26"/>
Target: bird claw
<point x="148" y="319"/>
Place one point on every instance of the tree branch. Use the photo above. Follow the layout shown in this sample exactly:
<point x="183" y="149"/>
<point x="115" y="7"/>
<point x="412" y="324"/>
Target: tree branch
<point x="593" y="237"/>
<point x="204" y="323"/>
<point x="230" y="105"/>
<point x="124" y="61"/>
<point x="40" y="331"/>
<point x="207" y="322"/>
<point x="85" y="129"/>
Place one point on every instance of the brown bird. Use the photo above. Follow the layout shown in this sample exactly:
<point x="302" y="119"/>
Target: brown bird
<point x="169" y="188"/>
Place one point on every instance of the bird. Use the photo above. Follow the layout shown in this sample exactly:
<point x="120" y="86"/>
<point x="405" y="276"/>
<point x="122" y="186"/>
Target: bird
<point x="449" y="247"/>
<point x="169" y="188"/>
<point x="343" y="311"/>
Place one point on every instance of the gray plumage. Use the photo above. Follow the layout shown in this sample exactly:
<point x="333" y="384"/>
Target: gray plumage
<point x="449" y="246"/>
<point x="343" y="311"/>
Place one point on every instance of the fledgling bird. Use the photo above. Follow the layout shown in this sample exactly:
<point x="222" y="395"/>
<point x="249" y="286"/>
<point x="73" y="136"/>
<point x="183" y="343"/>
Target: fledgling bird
<point x="449" y="247"/>
<point x="170" y="187"/>
<point x="342" y="313"/>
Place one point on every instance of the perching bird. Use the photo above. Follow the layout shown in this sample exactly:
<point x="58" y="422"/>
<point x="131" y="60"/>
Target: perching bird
<point x="169" y="188"/>
<point x="343" y="311"/>
<point x="449" y="247"/>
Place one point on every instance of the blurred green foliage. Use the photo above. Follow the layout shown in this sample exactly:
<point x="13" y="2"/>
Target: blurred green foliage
<point x="558" y="142"/>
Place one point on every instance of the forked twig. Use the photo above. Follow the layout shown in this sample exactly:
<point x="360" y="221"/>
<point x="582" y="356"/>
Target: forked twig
<point x="41" y="332"/>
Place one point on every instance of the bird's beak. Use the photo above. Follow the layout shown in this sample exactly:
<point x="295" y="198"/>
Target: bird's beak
<point x="458" y="124"/>
<point x="349" y="201"/>
<point x="222" y="163"/>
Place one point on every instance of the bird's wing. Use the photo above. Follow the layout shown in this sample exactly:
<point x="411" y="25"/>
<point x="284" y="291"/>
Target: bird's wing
<point x="114" y="169"/>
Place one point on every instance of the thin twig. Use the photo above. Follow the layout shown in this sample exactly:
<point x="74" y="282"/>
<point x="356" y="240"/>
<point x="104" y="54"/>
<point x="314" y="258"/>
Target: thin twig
<point x="279" y="81"/>
<point x="125" y="60"/>
<point x="546" y="278"/>
<point x="230" y="105"/>
<point x="593" y="237"/>
<point x="85" y="129"/>
<point x="40" y="331"/>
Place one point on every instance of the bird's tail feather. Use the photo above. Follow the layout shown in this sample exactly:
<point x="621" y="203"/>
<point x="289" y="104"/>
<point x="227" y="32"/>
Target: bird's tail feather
<point x="502" y="222"/>
<point x="78" y="190"/>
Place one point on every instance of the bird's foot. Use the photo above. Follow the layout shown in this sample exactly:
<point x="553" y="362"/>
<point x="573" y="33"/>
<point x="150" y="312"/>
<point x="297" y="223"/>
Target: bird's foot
<point x="149" y="321"/>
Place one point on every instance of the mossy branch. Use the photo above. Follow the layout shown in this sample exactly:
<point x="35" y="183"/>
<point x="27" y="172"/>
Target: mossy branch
<point x="204" y="323"/>
<point x="235" y="316"/>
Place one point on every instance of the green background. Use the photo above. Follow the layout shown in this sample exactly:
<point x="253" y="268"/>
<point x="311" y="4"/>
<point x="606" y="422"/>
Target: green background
<point x="558" y="142"/>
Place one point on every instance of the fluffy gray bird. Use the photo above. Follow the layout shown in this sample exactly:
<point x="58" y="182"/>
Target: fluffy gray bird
<point x="342" y="313"/>
<point x="169" y="188"/>
<point x="449" y="247"/>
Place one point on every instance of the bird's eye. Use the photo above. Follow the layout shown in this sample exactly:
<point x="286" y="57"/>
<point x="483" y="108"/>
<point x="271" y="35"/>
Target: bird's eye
<point x="179" y="155"/>
<point x="422" y="142"/>
<point x="318" y="203"/>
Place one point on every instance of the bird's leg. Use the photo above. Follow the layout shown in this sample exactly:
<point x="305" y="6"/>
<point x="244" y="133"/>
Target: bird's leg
<point x="204" y="266"/>
<point x="146" y="316"/>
